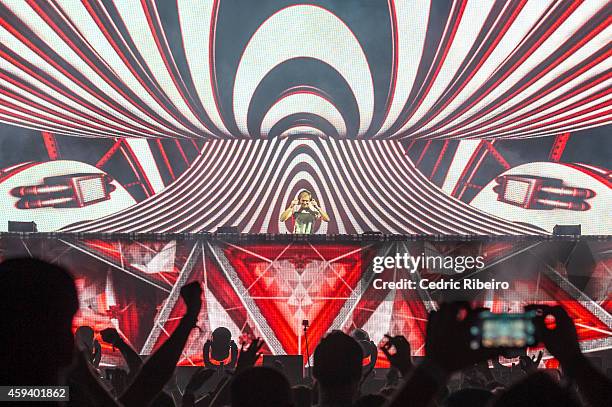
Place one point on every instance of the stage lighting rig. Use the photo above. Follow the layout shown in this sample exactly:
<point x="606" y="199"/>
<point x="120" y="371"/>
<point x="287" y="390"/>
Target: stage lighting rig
<point x="532" y="192"/>
<point x="65" y="191"/>
<point x="567" y="230"/>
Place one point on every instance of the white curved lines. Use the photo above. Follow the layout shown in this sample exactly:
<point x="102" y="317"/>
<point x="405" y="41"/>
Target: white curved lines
<point x="350" y="201"/>
<point x="55" y="100"/>
<point x="12" y="116"/>
<point x="53" y="40"/>
<point x="567" y="123"/>
<point x="425" y="200"/>
<point x="363" y="195"/>
<point x="364" y="185"/>
<point x="135" y="20"/>
<point x="264" y="186"/>
<point x="197" y="26"/>
<point x="303" y="31"/>
<point x="181" y="200"/>
<point x="374" y="190"/>
<point x="412" y="17"/>
<point x="303" y="102"/>
<point x="27" y="110"/>
<point x="558" y="111"/>
<point x="247" y="190"/>
<point x="228" y="201"/>
<point x="109" y="69"/>
<point x="38" y="105"/>
<point x="558" y="37"/>
<point x="31" y="56"/>
<point x="303" y="131"/>
<point x="573" y="127"/>
<point x="528" y="17"/>
<point x="215" y="198"/>
<point x="13" y="120"/>
<point x="448" y="208"/>
<point x="99" y="43"/>
<point x="394" y="194"/>
<point x="471" y="23"/>
<point x="534" y="95"/>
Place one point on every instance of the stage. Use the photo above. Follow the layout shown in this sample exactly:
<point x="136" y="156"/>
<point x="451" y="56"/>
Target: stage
<point x="266" y="285"/>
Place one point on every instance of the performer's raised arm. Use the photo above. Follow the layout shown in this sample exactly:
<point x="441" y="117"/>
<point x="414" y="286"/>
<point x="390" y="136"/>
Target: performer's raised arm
<point x="324" y="215"/>
<point x="289" y="211"/>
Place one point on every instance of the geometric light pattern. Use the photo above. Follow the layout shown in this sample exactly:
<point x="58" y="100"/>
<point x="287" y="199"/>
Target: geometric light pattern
<point x="365" y="185"/>
<point x="267" y="288"/>
<point x="200" y="69"/>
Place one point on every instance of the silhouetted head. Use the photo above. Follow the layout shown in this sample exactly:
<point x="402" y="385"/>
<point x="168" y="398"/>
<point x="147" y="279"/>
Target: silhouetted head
<point x="360" y="335"/>
<point x="38" y="301"/>
<point x="337" y="365"/>
<point x="260" y="386"/>
<point x="536" y="390"/>
<point x="469" y="397"/>
<point x="555" y="374"/>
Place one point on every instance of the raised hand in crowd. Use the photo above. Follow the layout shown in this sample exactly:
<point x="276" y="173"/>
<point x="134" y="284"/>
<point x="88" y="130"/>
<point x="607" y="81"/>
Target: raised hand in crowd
<point x="111" y="336"/>
<point x="444" y="354"/>
<point x="85" y="341"/>
<point x="530" y="364"/>
<point x="557" y="331"/>
<point x="397" y="350"/>
<point x="42" y="350"/>
<point x="131" y="357"/>
<point x="85" y="387"/>
<point x="160" y="366"/>
<point x="249" y="354"/>
<point x="192" y="297"/>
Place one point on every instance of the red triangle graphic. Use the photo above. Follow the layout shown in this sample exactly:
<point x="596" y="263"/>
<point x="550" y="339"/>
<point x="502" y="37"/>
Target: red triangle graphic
<point x="299" y="282"/>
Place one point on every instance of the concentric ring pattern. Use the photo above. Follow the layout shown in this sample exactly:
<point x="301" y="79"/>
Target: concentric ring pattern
<point x="366" y="185"/>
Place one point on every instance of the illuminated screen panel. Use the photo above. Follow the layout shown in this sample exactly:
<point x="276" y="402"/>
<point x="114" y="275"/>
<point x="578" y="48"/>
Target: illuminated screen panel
<point x="268" y="288"/>
<point x="398" y="117"/>
<point x="91" y="189"/>
<point x="516" y="192"/>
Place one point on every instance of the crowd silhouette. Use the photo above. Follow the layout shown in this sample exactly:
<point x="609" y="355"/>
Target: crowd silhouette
<point x="39" y="301"/>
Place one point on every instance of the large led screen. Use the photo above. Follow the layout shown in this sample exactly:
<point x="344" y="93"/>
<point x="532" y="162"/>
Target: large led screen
<point x="404" y="117"/>
<point x="267" y="289"/>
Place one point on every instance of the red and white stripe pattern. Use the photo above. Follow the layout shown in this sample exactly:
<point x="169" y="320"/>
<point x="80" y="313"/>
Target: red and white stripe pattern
<point x="495" y="69"/>
<point x="363" y="185"/>
<point x="513" y="69"/>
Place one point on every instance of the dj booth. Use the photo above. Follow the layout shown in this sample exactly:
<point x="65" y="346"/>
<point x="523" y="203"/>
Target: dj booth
<point x="267" y="285"/>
